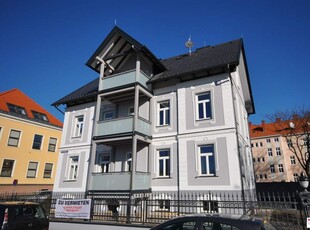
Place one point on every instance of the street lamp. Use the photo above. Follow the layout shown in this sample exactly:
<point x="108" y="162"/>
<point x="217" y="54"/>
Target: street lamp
<point x="304" y="182"/>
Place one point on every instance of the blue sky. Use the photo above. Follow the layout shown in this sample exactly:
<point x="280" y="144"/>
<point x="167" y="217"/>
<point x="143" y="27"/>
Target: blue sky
<point x="44" y="45"/>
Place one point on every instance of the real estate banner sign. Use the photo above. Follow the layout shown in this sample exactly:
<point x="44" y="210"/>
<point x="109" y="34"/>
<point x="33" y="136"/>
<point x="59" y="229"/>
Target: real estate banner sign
<point x="73" y="208"/>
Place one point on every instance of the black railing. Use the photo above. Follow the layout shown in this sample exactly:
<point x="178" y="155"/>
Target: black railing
<point x="282" y="210"/>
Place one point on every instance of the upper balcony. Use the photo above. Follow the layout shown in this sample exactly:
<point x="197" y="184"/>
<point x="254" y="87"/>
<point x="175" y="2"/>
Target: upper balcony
<point x="122" y="125"/>
<point x="124" y="78"/>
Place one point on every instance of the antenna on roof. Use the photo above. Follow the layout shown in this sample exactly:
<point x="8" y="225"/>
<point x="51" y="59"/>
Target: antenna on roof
<point x="189" y="44"/>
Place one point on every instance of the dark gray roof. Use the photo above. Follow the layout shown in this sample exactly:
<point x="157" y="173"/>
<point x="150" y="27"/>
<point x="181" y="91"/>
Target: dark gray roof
<point x="203" y="59"/>
<point x="206" y="58"/>
<point x="86" y="93"/>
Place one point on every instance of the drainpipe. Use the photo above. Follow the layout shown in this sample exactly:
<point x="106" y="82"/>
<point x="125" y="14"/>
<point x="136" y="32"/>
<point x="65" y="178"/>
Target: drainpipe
<point x="178" y="154"/>
<point x="237" y="138"/>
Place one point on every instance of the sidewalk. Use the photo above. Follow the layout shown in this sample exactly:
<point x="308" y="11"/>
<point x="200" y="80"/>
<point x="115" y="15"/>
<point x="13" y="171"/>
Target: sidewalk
<point x="90" y="226"/>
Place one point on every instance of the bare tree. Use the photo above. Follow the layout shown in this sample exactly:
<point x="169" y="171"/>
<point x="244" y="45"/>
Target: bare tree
<point x="294" y="126"/>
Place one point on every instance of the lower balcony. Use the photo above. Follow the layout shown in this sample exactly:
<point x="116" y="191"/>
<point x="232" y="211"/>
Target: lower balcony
<point x="120" y="181"/>
<point x="122" y="125"/>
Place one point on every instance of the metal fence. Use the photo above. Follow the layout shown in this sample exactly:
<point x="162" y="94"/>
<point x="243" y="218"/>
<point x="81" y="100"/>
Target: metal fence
<point x="284" y="211"/>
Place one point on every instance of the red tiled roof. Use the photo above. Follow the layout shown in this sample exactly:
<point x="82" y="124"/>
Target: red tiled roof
<point x="277" y="128"/>
<point x="262" y="130"/>
<point x="17" y="97"/>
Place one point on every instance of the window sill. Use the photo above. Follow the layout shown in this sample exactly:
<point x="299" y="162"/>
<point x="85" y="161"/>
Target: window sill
<point x="162" y="126"/>
<point x="205" y="176"/>
<point x="70" y="180"/>
<point x="160" y="178"/>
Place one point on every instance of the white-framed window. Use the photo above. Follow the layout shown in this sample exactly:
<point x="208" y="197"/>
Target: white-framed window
<point x="48" y="170"/>
<point x="296" y="177"/>
<point x="128" y="165"/>
<point x="258" y="159"/>
<point x="208" y="203"/>
<point x="266" y="176"/>
<point x="293" y="161"/>
<point x="263" y="159"/>
<point x="269" y="151"/>
<point x="73" y="167"/>
<point x="164" y="205"/>
<point x="107" y="115"/>
<point x="268" y="140"/>
<point x="256" y="144"/>
<point x="37" y="141"/>
<point x="261" y="144"/>
<point x="207" y="160"/>
<point x="163" y="113"/>
<point x="131" y="111"/>
<point x="278" y="151"/>
<point x="7" y="168"/>
<point x="105" y="161"/>
<point x="252" y="145"/>
<point x="276" y="139"/>
<point x="32" y="169"/>
<point x="210" y="206"/>
<point x="163" y="162"/>
<point x="289" y="143"/>
<point x="14" y="138"/>
<point x="52" y="144"/>
<point x="78" y="126"/>
<point x="280" y="168"/>
<point x="203" y="106"/>
<point x="272" y="169"/>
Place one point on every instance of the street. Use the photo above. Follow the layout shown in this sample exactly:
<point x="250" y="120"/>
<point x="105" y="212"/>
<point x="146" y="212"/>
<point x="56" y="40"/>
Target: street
<point x="89" y="226"/>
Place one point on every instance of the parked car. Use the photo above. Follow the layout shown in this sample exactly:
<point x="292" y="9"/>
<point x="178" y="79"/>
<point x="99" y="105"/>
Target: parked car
<point x="18" y="215"/>
<point x="214" y="222"/>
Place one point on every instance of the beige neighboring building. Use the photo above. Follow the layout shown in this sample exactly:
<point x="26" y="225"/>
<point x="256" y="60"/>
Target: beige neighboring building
<point x="29" y="140"/>
<point x="272" y="159"/>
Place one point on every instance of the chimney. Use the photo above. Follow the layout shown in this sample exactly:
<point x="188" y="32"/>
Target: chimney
<point x="263" y="125"/>
<point x="278" y="119"/>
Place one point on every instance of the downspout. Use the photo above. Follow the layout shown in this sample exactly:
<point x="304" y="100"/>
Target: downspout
<point x="237" y="138"/>
<point x="178" y="154"/>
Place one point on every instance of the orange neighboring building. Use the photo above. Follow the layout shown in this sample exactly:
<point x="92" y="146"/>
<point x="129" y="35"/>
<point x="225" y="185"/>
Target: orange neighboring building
<point x="29" y="141"/>
<point x="272" y="158"/>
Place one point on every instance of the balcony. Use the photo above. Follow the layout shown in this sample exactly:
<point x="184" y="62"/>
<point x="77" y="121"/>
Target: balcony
<point x="120" y="181"/>
<point x="122" y="125"/>
<point x="121" y="79"/>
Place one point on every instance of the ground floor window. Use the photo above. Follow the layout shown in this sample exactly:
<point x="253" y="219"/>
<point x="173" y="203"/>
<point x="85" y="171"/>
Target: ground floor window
<point x="7" y="168"/>
<point x="164" y="205"/>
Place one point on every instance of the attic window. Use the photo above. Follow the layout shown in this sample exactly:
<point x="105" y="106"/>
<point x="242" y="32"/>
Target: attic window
<point x="17" y="109"/>
<point x="39" y="116"/>
<point x="258" y="129"/>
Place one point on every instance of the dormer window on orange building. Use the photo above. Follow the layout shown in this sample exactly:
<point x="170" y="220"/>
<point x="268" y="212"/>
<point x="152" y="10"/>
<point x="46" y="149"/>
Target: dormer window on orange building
<point x="16" y="109"/>
<point x="39" y="116"/>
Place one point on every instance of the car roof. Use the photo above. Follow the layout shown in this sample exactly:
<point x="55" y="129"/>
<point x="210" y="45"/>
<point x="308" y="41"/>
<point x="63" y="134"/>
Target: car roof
<point x="12" y="203"/>
<point x="228" y="218"/>
<point x="216" y="215"/>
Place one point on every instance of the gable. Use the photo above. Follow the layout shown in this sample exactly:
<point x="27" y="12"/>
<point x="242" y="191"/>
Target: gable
<point x="116" y="49"/>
